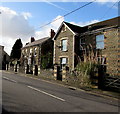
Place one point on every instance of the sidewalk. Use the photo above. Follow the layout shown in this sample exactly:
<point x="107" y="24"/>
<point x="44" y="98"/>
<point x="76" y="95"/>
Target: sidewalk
<point x="98" y="92"/>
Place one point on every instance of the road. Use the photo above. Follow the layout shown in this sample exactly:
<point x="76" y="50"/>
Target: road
<point x="24" y="94"/>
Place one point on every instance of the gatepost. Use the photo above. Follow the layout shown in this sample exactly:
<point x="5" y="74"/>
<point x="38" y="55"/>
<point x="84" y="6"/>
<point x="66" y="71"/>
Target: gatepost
<point x="55" y="72"/>
<point x="6" y="66"/>
<point x="9" y="66"/>
<point x="18" y="67"/>
<point x="64" y="73"/>
<point x="38" y="69"/>
<point x="26" y="69"/>
<point x="14" y="67"/>
<point x="33" y="70"/>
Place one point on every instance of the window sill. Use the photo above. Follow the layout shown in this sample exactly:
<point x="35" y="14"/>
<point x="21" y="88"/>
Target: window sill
<point x="64" y="51"/>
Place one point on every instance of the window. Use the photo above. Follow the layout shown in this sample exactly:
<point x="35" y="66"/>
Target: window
<point x="63" y="60"/>
<point x="30" y="52"/>
<point x="26" y="50"/>
<point x="82" y="44"/>
<point x="64" y="45"/>
<point x="35" y="51"/>
<point x="100" y="41"/>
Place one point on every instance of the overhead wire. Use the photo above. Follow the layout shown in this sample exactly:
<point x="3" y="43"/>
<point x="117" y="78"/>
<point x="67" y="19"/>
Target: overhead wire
<point x="109" y="9"/>
<point x="65" y="15"/>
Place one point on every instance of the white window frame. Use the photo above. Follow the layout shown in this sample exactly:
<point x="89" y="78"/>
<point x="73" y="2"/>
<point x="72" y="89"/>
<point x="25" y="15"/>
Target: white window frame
<point x="81" y="44"/>
<point x="65" y="60"/>
<point x="62" y="45"/>
<point x="100" y="41"/>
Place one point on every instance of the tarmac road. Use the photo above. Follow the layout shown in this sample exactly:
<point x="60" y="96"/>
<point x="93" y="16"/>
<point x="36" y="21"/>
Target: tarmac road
<point x="24" y="94"/>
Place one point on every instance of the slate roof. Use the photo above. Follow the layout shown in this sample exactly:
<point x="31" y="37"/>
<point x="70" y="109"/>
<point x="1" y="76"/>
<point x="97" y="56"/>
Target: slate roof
<point x="75" y="28"/>
<point x="37" y="42"/>
<point x="102" y="24"/>
<point x="106" y="23"/>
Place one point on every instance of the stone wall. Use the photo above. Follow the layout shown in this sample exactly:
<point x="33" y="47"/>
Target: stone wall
<point x="111" y="51"/>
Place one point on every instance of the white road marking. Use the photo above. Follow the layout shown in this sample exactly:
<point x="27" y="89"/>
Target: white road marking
<point x="9" y="79"/>
<point x="46" y="93"/>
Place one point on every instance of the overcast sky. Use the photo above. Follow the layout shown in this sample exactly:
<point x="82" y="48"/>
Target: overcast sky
<point x="23" y="19"/>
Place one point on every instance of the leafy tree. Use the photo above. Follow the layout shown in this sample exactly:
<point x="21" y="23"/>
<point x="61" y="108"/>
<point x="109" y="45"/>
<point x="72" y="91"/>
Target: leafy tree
<point x="16" y="50"/>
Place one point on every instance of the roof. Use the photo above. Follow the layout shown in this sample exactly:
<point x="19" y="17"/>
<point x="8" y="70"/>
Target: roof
<point x="102" y="24"/>
<point x="37" y="42"/>
<point x="75" y="28"/>
<point x="78" y="30"/>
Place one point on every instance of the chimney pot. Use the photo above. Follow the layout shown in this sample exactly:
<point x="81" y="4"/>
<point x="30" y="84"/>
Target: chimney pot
<point x="32" y="39"/>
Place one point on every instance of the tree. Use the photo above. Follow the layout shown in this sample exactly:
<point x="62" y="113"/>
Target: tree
<point x="16" y="50"/>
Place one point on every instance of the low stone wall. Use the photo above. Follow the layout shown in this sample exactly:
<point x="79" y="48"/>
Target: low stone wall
<point x="45" y="73"/>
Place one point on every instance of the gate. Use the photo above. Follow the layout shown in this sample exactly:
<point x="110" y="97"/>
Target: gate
<point x="36" y="70"/>
<point x="59" y="73"/>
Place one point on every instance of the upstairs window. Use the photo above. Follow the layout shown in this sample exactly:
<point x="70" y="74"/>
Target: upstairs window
<point x="100" y="41"/>
<point x="30" y="51"/>
<point x="82" y="44"/>
<point x="35" y="51"/>
<point x="26" y="50"/>
<point x="64" y="45"/>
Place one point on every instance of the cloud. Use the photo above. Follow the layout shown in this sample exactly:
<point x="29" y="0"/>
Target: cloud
<point x="45" y="31"/>
<point x="26" y="15"/>
<point x="14" y="25"/>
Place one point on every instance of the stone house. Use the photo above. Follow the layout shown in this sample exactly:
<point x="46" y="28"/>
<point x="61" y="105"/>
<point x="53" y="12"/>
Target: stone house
<point x="38" y="54"/>
<point x="4" y="58"/>
<point x="71" y="42"/>
<point x="104" y="39"/>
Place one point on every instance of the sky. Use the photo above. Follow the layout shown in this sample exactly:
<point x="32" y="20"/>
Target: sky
<point x="25" y="19"/>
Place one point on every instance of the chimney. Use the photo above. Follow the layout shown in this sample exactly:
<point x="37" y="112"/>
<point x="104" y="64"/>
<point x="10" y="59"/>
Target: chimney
<point x="32" y="39"/>
<point x="52" y="33"/>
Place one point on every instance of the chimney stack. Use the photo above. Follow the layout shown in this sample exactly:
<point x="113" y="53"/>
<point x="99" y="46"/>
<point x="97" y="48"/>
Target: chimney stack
<point x="32" y="39"/>
<point x="52" y="33"/>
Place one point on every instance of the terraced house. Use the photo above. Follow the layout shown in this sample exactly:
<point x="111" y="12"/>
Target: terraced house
<point x="37" y="54"/>
<point x="4" y="58"/>
<point x="72" y="42"/>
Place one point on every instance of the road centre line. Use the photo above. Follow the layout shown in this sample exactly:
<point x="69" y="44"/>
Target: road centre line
<point x="46" y="93"/>
<point x="9" y="79"/>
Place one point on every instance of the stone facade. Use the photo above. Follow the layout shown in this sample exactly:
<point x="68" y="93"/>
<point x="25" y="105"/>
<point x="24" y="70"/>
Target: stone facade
<point x="35" y="53"/>
<point x="4" y="58"/>
<point x="69" y="53"/>
<point x="109" y="54"/>
<point x="81" y="40"/>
